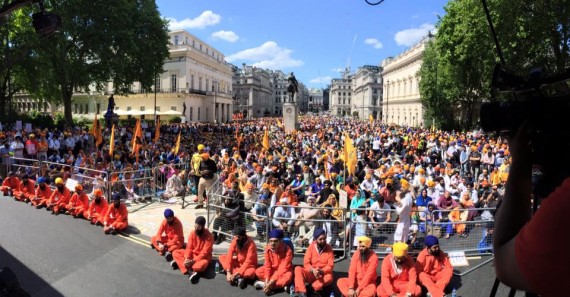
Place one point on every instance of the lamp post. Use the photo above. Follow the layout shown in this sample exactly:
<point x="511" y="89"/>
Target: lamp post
<point x="387" y="100"/>
<point x="155" y="85"/>
<point x="214" y="85"/>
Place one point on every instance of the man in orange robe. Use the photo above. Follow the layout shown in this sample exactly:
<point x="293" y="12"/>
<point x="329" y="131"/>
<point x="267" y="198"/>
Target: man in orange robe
<point x="362" y="274"/>
<point x="399" y="274"/>
<point x="43" y="193"/>
<point x="117" y="217"/>
<point x="59" y="198"/>
<point x="10" y="184"/>
<point x="173" y="238"/>
<point x="25" y="190"/>
<point x="277" y="271"/>
<point x="78" y="203"/>
<point x="241" y="260"/>
<point x="198" y="253"/>
<point x="98" y="208"/>
<point x="434" y="268"/>
<point x="317" y="266"/>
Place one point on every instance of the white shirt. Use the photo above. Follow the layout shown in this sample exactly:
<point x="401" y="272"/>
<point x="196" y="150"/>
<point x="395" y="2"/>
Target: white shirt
<point x="380" y="212"/>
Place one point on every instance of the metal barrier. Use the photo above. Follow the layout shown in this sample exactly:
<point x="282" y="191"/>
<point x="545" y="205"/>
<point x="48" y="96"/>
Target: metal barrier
<point x="362" y="223"/>
<point x="162" y="173"/>
<point x="91" y="179"/>
<point x="20" y="166"/>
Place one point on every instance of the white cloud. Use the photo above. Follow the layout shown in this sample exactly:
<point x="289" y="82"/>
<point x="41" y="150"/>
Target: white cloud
<point x="207" y="18"/>
<point x="410" y="36"/>
<point x="321" y="80"/>
<point x="229" y="36"/>
<point x="374" y="43"/>
<point x="267" y="56"/>
<point x="338" y="70"/>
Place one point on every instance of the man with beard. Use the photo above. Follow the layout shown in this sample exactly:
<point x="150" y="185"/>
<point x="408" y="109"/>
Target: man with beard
<point x="97" y="209"/>
<point x="10" y="184"/>
<point x="326" y="192"/>
<point x="78" y="203"/>
<point x="173" y="237"/>
<point x="277" y="271"/>
<point x="116" y="218"/>
<point x="208" y="170"/>
<point x="241" y="260"/>
<point x="198" y="253"/>
<point x="59" y="198"/>
<point x="317" y="266"/>
<point x="25" y="189"/>
<point x="399" y="274"/>
<point x="434" y="268"/>
<point x="43" y="192"/>
<point x="361" y="280"/>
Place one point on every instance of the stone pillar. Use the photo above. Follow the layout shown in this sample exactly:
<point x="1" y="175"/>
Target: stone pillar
<point x="290" y="117"/>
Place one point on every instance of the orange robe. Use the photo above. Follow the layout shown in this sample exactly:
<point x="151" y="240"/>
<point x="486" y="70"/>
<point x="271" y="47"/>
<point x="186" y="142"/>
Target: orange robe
<point x="25" y="191"/>
<point x="242" y="261"/>
<point x="42" y="196"/>
<point x="398" y="283"/>
<point x="314" y="259"/>
<point x="117" y="218"/>
<point x="173" y="236"/>
<point x="434" y="272"/>
<point x="96" y="212"/>
<point x="78" y="204"/>
<point x="278" y="266"/>
<point x="361" y="276"/>
<point x="59" y="200"/>
<point x="10" y="183"/>
<point x="199" y="249"/>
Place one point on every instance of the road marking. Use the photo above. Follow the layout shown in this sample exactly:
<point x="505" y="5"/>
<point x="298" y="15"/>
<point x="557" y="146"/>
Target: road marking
<point x="135" y="239"/>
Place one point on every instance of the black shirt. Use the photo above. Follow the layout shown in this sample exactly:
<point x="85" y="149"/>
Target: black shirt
<point x="209" y="165"/>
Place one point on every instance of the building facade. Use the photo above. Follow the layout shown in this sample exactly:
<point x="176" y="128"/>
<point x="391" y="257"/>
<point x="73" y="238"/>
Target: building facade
<point x="367" y="95"/>
<point x="340" y="103"/>
<point x="401" y="104"/>
<point x="253" y="92"/>
<point x="316" y="100"/>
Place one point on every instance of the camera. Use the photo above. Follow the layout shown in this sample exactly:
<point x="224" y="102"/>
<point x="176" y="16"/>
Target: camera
<point x="543" y="102"/>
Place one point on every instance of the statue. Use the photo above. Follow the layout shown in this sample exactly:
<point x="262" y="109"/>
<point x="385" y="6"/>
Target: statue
<point x="293" y="87"/>
<point x="184" y="108"/>
<point x="109" y="113"/>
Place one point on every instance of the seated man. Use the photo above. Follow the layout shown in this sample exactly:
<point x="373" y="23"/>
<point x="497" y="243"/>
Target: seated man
<point x="25" y="190"/>
<point x="284" y="216"/>
<point x="317" y="266"/>
<point x="434" y="268"/>
<point x="116" y="218"/>
<point x="277" y="271"/>
<point x="43" y="193"/>
<point x="241" y="260"/>
<point x="78" y="203"/>
<point x="10" y="184"/>
<point x="59" y="197"/>
<point x="198" y="253"/>
<point x="361" y="280"/>
<point x="173" y="238"/>
<point x="98" y="209"/>
<point x="260" y="213"/>
<point x="399" y="274"/>
<point x="174" y="187"/>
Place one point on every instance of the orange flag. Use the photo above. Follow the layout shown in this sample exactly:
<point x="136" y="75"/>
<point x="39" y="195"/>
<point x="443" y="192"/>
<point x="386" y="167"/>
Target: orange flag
<point x="177" y="144"/>
<point x="265" y="142"/>
<point x="99" y="138"/>
<point x="350" y="158"/>
<point x="112" y="144"/>
<point x="138" y="133"/>
<point x="157" y="131"/>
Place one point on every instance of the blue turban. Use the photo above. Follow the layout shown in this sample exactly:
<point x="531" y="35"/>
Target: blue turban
<point x="116" y="197"/>
<point x="168" y="213"/>
<point x="431" y="241"/>
<point x="276" y="233"/>
<point x="318" y="232"/>
<point x="41" y="179"/>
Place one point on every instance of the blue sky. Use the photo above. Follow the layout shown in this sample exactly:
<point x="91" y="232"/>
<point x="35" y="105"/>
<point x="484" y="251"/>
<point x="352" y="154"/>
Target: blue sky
<point x="315" y="39"/>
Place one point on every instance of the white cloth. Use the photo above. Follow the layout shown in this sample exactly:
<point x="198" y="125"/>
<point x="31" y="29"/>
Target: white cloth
<point x="403" y="210"/>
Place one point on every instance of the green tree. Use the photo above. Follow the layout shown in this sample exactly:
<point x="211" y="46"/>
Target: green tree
<point x="121" y="41"/>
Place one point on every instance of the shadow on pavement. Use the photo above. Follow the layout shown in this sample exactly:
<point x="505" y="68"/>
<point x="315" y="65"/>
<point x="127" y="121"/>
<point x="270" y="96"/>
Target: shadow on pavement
<point x="29" y="281"/>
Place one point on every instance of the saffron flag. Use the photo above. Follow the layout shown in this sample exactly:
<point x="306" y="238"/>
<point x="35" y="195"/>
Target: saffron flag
<point x="112" y="141"/>
<point x="265" y="142"/>
<point x="371" y="119"/>
<point x="350" y="157"/>
<point x="177" y="144"/>
<point x="157" y="131"/>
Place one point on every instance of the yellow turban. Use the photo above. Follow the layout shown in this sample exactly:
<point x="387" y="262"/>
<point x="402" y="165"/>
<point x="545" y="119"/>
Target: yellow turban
<point x="389" y="181"/>
<point x="404" y="183"/>
<point x="59" y="181"/>
<point x="201" y="147"/>
<point x="430" y="183"/>
<point x="399" y="249"/>
<point x="368" y="176"/>
<point x="366" y="241"/>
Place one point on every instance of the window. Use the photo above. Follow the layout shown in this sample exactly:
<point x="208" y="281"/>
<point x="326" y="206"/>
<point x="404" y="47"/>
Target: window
<point x="175" y="39"/>
<point x="200" y="83"/>
<point x="158" y="108"/>
<point x="207" y="114"/>
<point x="157" y="84"/>
<point x="75" y="107"/>
<point x="207" y="84"/>
<point x="128" y="108"/>
<point x="80" y="108"/>
<point x="86" y="108"/>
<point x="173" y="81"/>
<point x="348" y="101"/>
<point x="338" y="101"/>
<point x="343" y="101"/>
<point x="173" y="108"/>
<point x="192" y="81"/>
<point x="200" y="47"/>
<point x="191" y="113"/>
<point x="207" y="51"/>
<point x="194" y="43"/>
<point x="186" y="40"/>
<point x="198" y="114"/>
<point x="142" y="108"/>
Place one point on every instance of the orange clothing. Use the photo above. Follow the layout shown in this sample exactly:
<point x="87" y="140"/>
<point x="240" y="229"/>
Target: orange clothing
<point x="42" y="196"/>
<point x="394" y="282"/>
<point x="10" y="183"/>
<point x="291" y="197"/>
<point x="361" y="276"/>
<point x="242" y="261"/>
<point x="59" y="200"/>
<point x="350" y="192"/>
<point x="314" y="259"/>
<point x="434" y="272"/>
<point x="173" y="236"/>
<point x="199" y="249"/>
<point x="78" y="204"/>
<point x="495" y="178"/>
<point x="96" y="212"/>
<point x="278" y="266"/>
<point x="117" y="218"/>
<point x="25" y="191"/>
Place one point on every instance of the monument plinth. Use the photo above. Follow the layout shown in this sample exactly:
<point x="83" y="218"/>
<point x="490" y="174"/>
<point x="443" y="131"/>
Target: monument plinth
<point x="290" y="117"/>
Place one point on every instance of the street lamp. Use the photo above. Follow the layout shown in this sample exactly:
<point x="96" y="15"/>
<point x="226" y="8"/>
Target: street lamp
<point x="214" y="85"/>
<point x="387" y="98"/>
